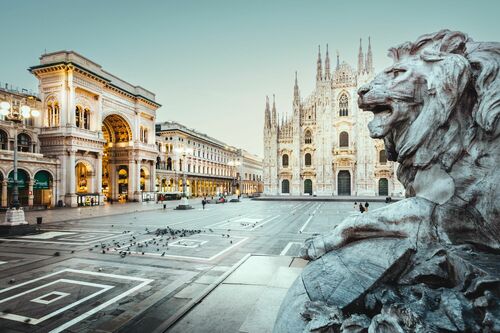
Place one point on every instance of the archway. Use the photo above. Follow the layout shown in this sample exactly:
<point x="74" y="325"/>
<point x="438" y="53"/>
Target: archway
<point x="383" y="187"/>
<point x="308" y="187"/>
<point x="344" y="182"/>
<point x="83" y="175"/>
<point x="117" y="133"/>
<point x="42" y="189"/>
<point x="23" y="180"/>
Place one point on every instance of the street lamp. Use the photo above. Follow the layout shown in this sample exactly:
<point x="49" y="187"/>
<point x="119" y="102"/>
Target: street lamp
<point x="15" y="216"/>
<point x="184" y="151"/>
<point x="234" y="164"/>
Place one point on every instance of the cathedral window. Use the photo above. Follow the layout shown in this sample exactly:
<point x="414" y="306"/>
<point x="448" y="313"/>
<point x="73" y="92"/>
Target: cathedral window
<point x="344" y="139"/>
<point x="382" y="157"/>
<point x="284" y="161"/>
<point x="53" y="114"/>
<point x="307" y="160"/>
<point x="343" y="106"/>
<point x="285" y="186"/>
<point x="308" y="137"/>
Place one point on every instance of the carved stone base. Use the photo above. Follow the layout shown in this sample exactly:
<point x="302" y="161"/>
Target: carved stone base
<point x="184" y="205"/>
<point x="14" y="217"/>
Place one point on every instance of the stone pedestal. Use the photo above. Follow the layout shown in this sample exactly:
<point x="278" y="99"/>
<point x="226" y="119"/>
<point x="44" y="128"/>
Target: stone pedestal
<point x="16" y="224"/>
<point x="14" y="217"/>
<point x="184" y="205"/>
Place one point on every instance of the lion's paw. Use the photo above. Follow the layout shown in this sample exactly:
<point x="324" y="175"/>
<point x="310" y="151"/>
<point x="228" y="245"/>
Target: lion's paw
<point x="313" y="248"/>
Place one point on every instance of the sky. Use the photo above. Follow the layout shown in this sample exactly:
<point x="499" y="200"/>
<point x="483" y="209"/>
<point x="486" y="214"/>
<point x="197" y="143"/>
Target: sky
<point x="211" y="63"/>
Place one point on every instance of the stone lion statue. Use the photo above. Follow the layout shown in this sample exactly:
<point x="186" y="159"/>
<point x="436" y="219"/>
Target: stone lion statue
<point x="437" y="110"/>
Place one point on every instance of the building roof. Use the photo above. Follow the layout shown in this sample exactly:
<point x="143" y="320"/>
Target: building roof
<point x="87" y="65"/>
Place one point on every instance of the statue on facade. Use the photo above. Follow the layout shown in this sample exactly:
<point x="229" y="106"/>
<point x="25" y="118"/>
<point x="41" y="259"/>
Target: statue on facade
<point x="430" y="262"/>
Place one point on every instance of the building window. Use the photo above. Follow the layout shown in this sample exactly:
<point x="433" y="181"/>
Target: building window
<point x="82" y="117"/>
<point x="382" y="157"/>
<point x="53" y="114"/>
<point x="343" y="106"/>
<point x="344" y="139"/>
<point x="285" y="186"/>
<point x="284" y="161"/>
<point x="144" y="134"/>
<point x="169" y="163"/>
<point x="307" y="159"/>
<point x="23" y="142"/>
<point x="4" y="141"/>
<point x="308" y="137"/>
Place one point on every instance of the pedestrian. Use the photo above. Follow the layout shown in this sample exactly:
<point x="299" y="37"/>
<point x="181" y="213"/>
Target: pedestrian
<point x="91" y="201"/>
<point x="361" y="208"/>
<point x="355" y="205"/>
<point x="203" y="202"/>
<point x="366" y="206"/>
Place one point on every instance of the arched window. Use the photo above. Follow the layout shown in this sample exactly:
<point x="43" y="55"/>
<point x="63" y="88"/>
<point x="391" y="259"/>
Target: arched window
<point x="53" y="114"/>
<point x="307" y="137"/>
<point x="82" y="117"/>
<point x="307" y="159"/>
<point x="78" y="116"/>
<point x="284" y="161"/>
<point x="285" y="186"/>
<point x="86" y="119"/>
<point x="344" y="139"/>
<point x="382" y="157"/>
<point x="169" y="163"/>
<point x="343" y="106"/>
<point x="4" y="141"/>
<point x="23" y="142"/>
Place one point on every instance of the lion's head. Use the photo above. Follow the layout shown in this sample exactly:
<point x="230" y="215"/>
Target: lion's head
<point x="429" y="97"/>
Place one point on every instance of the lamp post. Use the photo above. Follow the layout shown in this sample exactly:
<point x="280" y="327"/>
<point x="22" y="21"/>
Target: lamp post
<point x="184" y="152"/>
<point x="234" y="163"/>
<point x="15" y="215"/>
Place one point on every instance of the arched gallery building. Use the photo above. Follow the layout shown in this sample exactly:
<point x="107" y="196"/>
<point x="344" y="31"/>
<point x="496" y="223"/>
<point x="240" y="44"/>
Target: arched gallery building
<point x="96" y="128"/>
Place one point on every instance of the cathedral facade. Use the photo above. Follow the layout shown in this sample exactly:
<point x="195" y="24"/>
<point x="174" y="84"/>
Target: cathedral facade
<point x="323" y="147"/>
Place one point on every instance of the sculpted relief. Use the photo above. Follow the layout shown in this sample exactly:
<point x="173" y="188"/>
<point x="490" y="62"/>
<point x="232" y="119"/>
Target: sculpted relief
<point x="430" y="262"/>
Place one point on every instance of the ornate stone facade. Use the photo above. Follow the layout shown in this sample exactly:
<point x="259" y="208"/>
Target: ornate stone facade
<point x="100" y="127"/>
<point x="323" y="147"/>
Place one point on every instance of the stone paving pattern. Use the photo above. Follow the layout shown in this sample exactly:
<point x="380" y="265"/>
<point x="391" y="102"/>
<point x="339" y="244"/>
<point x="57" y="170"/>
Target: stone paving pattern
<point x="140" y="292"/>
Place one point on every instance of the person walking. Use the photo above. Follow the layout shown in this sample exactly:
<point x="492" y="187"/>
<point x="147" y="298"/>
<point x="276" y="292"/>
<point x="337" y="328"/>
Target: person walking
<point x="366" y="206"/>
<point x="361" y="208"/>
<point x="355" y="205"/>
<point x="203" y="203"/>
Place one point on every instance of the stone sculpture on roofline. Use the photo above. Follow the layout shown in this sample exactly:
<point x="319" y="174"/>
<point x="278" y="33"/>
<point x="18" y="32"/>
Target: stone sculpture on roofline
<point x="430" y="262"/>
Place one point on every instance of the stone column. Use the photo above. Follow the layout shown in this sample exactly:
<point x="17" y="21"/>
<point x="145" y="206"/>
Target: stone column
<point x="71" y="100"/>
<point x="131" y="180"/>
<point x="138" y="181"/>
<point x="30" y="193"/>
<point x="4" y="193"/>
<point x="98" y="178"/>
<point x="71" y="179"/>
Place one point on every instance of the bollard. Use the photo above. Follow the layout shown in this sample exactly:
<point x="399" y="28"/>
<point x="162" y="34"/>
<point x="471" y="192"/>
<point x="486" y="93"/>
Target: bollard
<point x="39" y="220"/>
<point x="164" y="206"/>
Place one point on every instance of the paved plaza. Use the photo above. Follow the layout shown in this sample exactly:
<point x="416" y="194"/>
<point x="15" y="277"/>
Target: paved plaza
<point x="136" y="270"/>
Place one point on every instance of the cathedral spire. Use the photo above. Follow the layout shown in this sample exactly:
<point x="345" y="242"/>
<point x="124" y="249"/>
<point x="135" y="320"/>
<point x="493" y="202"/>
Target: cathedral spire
<point x="338" y="59"/>
<point x="360" y="57"/>
<point x="319" y="72"/>
<point x="369" y="57"/>
<point x="274" y="117"/>
<point x="327" y="65"/>
<point x="296" y="92"/>
<point x="267" y="117"/>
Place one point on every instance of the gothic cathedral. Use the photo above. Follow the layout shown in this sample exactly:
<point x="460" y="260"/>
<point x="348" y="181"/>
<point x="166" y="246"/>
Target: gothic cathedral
<point x="324" y="147"/>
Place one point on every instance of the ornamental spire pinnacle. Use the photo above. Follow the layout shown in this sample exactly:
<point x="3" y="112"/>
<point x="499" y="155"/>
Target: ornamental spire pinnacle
<point x="319" y="68"/>
<point x="327" y="64"/>
<point x="360" y="57"/>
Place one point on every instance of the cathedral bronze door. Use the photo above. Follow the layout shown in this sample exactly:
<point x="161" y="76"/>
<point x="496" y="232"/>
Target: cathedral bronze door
<point x="383" y="187"/>
<point x="344" y="183"/>
<point x="308" y="187"/>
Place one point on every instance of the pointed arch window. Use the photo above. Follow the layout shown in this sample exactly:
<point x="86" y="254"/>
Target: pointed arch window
<point x="344" y="139"/>
<point x="308" y="137"/>
<point x="343" y="106"/>
<point x="284" y="161"/>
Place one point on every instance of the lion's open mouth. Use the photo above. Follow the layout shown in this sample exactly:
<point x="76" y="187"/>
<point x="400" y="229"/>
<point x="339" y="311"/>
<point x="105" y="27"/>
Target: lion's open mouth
<point x="381" y="119"/>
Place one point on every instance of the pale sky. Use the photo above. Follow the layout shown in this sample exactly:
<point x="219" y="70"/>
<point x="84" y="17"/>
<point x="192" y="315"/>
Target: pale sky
<point x="211" y="63"/>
